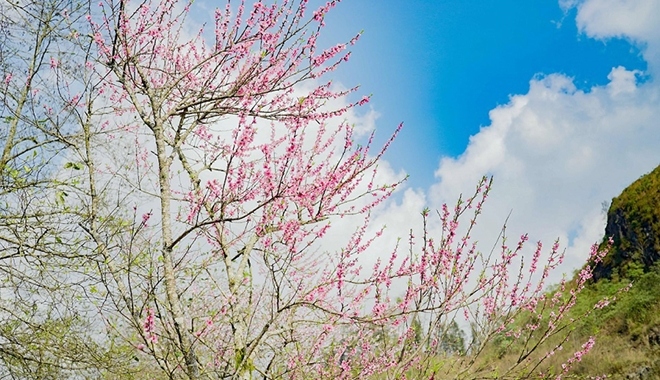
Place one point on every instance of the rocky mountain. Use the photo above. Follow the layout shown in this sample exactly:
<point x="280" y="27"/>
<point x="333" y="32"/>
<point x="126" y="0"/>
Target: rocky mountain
<point x="633" y="220"/>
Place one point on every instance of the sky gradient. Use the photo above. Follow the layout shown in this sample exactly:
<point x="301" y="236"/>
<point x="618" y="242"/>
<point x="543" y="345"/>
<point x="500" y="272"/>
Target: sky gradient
<point x="441" y="66"/>
<point x="558" y="101"/>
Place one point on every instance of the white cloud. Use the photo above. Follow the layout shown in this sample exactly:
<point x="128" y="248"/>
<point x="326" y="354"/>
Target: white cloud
<point x="557" y="153"/>
<point x="636" y="20"/>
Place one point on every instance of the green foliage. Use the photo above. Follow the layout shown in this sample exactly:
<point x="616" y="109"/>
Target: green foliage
<point x="452" y="339"/>
<point x="634" y="225"/>
<point x="73" y="165"/>
<point x="626" y="330"/>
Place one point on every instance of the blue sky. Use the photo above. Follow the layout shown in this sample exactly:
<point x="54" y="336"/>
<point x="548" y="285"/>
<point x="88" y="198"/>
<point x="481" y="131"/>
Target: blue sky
<point x="441" y="66"/>
<point x="557" y="100"/>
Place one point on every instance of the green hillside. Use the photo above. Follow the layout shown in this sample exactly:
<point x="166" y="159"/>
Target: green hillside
<point x="628" y="330"/>
<point x="633" y="221"/>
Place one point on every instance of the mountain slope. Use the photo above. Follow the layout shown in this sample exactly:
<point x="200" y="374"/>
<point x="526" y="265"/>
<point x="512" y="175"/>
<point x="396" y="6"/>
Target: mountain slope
<point x="633" y="221"/>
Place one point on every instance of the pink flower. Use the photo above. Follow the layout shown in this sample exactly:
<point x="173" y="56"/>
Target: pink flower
<point x="150" y="325"/>
<point x="145" y="218"/>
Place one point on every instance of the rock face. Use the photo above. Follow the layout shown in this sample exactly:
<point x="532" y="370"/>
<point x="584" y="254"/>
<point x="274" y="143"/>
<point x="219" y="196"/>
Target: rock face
<point x="633" y="221"/>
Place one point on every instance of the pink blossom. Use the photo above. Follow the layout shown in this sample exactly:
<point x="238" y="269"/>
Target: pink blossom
<point x="150" y="325"/>
<point x="145" y="218"/>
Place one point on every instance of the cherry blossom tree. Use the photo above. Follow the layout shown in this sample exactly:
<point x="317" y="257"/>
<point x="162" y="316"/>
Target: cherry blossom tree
<point x="200" y="174"/>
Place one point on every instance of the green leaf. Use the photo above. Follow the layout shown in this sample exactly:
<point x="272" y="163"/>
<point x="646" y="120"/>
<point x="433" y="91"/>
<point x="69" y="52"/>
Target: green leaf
<point x="59" y="197"/>
<point x="73" y="165"/>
